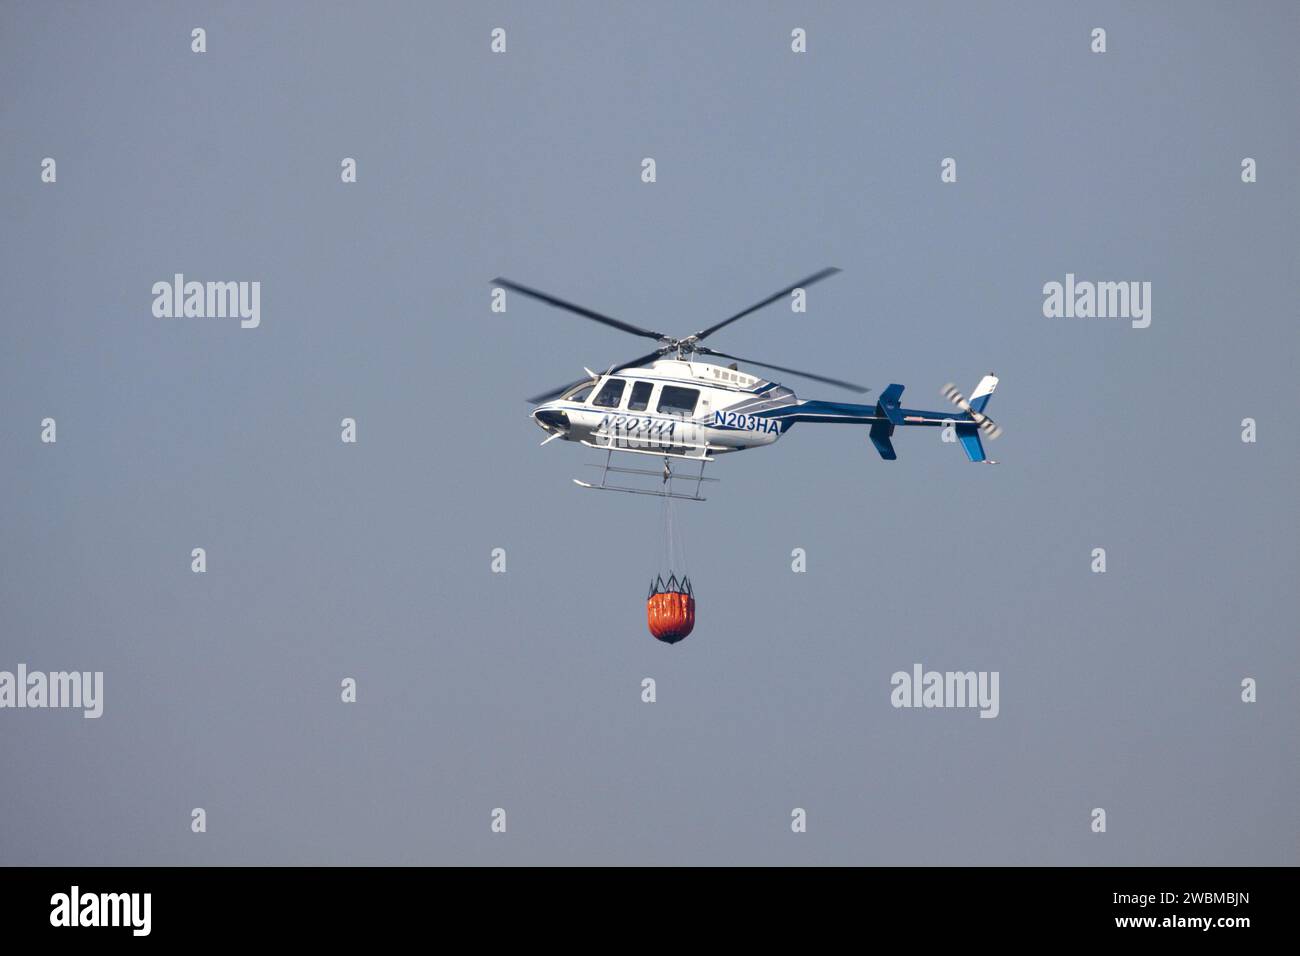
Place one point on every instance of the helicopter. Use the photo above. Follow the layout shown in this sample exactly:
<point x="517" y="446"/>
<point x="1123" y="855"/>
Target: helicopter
<point x="672" y="403"/>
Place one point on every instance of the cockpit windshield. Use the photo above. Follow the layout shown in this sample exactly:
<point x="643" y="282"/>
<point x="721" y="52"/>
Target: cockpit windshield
<point x="579" y="394"/>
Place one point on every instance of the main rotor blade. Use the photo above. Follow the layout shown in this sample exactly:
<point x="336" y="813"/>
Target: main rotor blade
<point x="639" y="361"/>
<point x="801" y="284"/>
<point x="793" y="371"/>
<point x="556" y="392"/>
<point x="575" y="309"/>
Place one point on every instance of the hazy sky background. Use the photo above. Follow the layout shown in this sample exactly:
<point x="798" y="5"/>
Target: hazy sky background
<point x="522" y="690"/>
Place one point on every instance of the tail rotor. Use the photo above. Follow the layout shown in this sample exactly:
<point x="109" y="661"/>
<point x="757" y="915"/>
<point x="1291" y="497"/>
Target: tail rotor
<point x="975" y="408"/>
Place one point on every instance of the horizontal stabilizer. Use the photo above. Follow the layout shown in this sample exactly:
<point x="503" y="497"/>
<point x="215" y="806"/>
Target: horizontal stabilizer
<point x="881" y="433"/>
<point x="887" y="404"/>
<point x="892" y="395"/>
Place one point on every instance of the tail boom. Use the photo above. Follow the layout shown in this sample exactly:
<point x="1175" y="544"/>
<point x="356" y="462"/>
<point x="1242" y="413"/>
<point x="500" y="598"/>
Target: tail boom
<point x="888" y="414"/>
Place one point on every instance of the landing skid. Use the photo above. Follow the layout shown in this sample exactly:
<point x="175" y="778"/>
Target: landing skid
<point x="666" y="476"/>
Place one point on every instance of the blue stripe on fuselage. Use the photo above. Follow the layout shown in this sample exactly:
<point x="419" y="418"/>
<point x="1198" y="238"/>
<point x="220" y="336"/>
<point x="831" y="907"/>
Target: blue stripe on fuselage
<point x="851" y="414"/>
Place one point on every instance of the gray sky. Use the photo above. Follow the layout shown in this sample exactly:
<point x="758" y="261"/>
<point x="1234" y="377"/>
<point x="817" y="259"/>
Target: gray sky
<point x="522" y="690"/>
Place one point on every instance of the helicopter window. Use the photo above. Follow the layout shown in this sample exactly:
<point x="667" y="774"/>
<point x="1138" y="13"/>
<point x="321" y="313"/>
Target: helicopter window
<point x="678" y="401"/>
<point x="640" y="399"/>
<point x="579" y="394"/>
<point x="610" y="394"/>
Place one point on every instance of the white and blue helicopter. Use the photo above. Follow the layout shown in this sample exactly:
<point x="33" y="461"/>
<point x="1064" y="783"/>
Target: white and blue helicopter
<point x="672" y="406"/>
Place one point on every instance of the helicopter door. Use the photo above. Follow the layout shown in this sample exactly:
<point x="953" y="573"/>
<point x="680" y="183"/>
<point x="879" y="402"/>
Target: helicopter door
<point x="681" y="402"/>
<point x="678" y="401"/>
<point x="610" y="394"/>
<point x="640" y="399"/>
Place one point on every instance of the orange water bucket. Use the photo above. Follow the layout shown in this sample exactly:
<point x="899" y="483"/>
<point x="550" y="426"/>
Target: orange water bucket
<point x="670" y="609"/>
